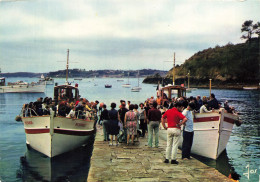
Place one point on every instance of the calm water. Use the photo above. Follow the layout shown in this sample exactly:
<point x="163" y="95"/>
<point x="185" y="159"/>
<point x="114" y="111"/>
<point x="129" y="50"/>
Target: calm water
<point x="17" y="163"/>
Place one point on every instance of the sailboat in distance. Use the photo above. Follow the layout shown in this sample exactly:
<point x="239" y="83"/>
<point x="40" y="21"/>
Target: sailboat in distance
<point x="137" y="88"/>
<point x="127" y="85"/>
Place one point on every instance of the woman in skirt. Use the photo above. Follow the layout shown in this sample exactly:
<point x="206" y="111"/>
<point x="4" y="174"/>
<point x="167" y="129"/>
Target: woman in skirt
<point x="131" y="124"/>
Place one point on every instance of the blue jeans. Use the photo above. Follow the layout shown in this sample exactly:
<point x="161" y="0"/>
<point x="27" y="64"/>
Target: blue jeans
<point x="153" y="126"/>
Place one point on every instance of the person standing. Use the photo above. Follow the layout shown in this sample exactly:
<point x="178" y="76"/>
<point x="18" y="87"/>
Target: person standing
<point x="131" y="124"/>
<point x="113" y="128"/>
<point x="188" y="131"/>
<point x="105" y="119"/>
<point x="174" y="117"/>
<point x="153" y="120"/>
<point x="142" y="119"/>
<point x="121" y="118"/>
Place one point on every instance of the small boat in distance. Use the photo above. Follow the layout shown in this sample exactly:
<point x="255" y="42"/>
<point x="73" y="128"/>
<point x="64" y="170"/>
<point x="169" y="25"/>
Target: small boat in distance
<point x="21" y="87"/>
<point x="120" y="80"/>
<point x="108" y="86"/>
<point x="47" y="80"/>
<point x="77" y="78"/>
<point x="137" y="88"/>
<point x="127" y="85"/>
<point x="250" y="88"/>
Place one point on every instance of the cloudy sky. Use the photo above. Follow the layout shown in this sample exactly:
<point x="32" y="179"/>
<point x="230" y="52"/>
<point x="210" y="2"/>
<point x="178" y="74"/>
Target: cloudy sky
<point x="115" y="34"/>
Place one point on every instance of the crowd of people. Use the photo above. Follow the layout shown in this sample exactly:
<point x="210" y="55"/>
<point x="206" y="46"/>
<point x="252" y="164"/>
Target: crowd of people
<point x="135" y="121"/>
<point x="81" y="109"/>
<point x="131" y="121"/>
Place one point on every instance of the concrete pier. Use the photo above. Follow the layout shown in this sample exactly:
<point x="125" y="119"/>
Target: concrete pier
<point x="141" y="163"/>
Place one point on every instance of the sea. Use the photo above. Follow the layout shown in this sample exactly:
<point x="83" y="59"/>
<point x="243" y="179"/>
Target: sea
<point x="19" y="163"/>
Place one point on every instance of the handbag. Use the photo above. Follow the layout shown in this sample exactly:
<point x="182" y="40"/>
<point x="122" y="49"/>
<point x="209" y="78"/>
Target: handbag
<point x="120" y="125"/>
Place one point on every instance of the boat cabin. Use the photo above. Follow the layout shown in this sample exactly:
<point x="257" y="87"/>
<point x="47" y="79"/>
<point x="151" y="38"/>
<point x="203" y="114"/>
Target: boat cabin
<point x="171" y="91"/>
<point x="65" y="92"/>
<point x="2" y="81"/>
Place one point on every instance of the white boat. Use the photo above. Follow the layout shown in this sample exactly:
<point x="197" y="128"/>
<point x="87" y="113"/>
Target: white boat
<point x="137" y="88"/>
<point x="211" y="133"/>
<point x="21" y="87"/>
<point x="47" y="80"/>
<point x="250" y="88"/>
<point x="127" y="85"/>
<point x="53" y="135"/>
<point x="189" y="90"/>
<point x="211" y="130"/>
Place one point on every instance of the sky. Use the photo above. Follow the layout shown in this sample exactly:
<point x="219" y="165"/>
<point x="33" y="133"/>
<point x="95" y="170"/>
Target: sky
<point x="115" y="34"/>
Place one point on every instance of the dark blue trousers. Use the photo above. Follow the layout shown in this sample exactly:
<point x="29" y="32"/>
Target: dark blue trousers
<point x="187" y="143"/>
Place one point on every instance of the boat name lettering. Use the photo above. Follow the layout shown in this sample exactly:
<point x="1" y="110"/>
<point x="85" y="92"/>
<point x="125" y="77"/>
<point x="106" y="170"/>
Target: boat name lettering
<point x="80" y="124"/>
<point x="28" y="122"/>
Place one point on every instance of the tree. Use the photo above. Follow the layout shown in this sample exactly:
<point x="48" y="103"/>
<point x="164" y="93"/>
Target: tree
<point x="250" y="29"/>
<point x="256" y="29"/>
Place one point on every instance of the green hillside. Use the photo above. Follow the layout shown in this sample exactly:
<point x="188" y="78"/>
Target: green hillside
<point x="236" y="63"/>
<point x="233" y="65"/>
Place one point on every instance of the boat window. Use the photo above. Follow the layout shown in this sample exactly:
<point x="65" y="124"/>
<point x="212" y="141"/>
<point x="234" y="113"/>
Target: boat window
<point x="2" y="82"/>
<point x="174" y="93"/>
<point x="165" y="93"/>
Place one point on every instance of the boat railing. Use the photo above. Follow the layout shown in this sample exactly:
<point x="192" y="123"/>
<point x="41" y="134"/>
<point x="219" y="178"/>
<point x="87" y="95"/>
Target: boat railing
<point x="29" y="112"/>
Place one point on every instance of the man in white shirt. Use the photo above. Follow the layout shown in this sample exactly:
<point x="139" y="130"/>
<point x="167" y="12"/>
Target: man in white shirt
<point x="203" y="108"/>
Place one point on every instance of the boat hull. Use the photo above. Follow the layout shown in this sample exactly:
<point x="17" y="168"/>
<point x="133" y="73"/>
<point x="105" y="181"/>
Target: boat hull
<point x="126" y="85"/>
<point x="211" y="133"/>
<point x="49" y="82"/>
<point x="38" y="88"/>
<point x="57" y="135"/>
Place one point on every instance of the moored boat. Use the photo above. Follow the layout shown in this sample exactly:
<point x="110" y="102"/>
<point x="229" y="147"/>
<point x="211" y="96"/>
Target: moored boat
<point x="211" y="130"/>
<point x="137" y="88"/>
<point x="47" y="80"/>
<point x="108" y="86"/>
<point x="52" y="134"/>
<point x="250" y="88"/>
<point x="21" y="87"/>
<point x="127" y="85"/>
<point x="78" y="79"/>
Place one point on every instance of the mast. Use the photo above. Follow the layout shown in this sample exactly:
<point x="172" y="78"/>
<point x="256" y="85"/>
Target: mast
<point x="188" y="79"/>
<point x="210" y="87"/>
<point x="128" y="78"/>
<point x="173" y="70"/>
<point x="138" y="78"/>
<point x="67" y="67"/>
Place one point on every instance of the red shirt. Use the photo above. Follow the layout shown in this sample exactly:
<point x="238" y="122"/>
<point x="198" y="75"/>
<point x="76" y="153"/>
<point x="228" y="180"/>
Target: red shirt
<point x="173" y="117"/>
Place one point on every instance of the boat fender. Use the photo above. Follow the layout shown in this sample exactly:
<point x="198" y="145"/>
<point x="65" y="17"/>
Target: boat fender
<point x="238" y="122"/>
<point x="18" y="118"/>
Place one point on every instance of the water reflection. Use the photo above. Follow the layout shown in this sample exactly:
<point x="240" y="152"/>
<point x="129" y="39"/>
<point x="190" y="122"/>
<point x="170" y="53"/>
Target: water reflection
<point x="71" y="166"/>
<point x="2" y="103"/>
<point x="222" y="164"/>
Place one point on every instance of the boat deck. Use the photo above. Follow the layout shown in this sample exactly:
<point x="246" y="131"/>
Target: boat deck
<point x="140" y="163"/>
